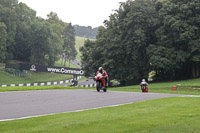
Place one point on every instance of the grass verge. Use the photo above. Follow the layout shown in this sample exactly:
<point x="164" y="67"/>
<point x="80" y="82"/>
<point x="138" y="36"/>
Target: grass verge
<point x="31" y="77"/>
<point x="29" y="88"/>
<point x="188" y="87"/>
<point x="172" y="115"/>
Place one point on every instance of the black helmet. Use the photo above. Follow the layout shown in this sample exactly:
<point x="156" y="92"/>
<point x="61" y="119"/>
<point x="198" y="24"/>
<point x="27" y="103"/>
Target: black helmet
<point x="100" y="69"/>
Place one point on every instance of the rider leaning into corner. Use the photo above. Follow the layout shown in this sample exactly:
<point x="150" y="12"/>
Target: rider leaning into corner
<point x="104" y="74"/>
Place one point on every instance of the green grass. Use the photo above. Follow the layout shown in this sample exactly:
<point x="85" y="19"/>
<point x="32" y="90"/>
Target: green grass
<point x="166" y="115"/>
<point x="31" y="77"/>
<point x="190" y="87"/>
<point x="79" y="41"/>
<point x="172" y="115"/>
<point x="29" y="88"/>
<point x="60" y="64"/>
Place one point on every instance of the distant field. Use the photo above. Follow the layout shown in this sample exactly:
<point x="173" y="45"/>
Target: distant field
<point x="60" y="63"/>
<point x="79" y="43"/>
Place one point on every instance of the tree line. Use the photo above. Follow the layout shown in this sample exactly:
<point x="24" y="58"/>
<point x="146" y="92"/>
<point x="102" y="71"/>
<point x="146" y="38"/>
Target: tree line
<point x="86" y="31"/>
<point x="143" y="36"/>
<point x="26" y="37"/>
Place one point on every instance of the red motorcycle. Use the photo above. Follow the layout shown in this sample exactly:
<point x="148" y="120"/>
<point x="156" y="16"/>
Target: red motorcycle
<point x="100" y="82"/>
<point x="144" y="88"/>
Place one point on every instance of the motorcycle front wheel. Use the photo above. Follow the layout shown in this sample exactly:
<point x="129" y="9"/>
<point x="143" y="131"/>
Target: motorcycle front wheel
<point x="105" y="90"/>
<point x="143" y="88"/>
<point x="98" y="86"/>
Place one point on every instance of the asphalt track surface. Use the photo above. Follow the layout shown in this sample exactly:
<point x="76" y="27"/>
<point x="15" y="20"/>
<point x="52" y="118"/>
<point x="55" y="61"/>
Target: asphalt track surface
<point x="25" y="104"/>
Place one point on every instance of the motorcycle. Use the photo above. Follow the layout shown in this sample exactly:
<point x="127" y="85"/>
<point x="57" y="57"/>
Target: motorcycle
<point x="144" y="88"/>
<point x="100" y="82"/>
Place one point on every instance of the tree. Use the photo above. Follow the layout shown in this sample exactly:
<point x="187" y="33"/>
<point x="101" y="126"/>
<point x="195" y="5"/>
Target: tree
<point x="9" y="18"/>
<point x="87" y="32"/>
<point x="40" y="32"/>
<point x="87" y="58"/>
<point x="176" y="53"/>
<point x="69" y="43"/>
<point x="56" y="41"/>
<point x="122" y="44"/>
<point x="23" y="34"/>
<point x="30" y="38"/>
<point x="3" y="36"/>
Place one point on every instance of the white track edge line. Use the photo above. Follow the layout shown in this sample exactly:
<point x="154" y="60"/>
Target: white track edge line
<point x="34" y="116"/>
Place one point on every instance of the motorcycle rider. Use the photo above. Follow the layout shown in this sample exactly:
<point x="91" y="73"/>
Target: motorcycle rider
<point x="104" y="74"/>
<point x="143" y="83"/>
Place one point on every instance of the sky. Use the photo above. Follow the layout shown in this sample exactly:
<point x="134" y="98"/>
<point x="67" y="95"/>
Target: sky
<point x="81" y="12"/>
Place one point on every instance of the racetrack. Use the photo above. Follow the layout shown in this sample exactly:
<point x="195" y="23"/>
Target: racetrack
<point x="25" y="104"/>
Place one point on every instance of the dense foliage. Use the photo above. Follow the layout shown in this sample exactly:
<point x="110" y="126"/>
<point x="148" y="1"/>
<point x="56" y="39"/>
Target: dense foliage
<point x="26" y="37"/>
<point x="86" y="31"/>
<point x="143" y="36"/>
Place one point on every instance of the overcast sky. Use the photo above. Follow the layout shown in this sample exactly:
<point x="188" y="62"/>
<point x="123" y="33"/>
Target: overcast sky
<point x="81" y="12"/>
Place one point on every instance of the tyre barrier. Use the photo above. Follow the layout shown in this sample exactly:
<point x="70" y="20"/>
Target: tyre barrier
<point x="89" y="85"/>
<point x="49" y="83"/>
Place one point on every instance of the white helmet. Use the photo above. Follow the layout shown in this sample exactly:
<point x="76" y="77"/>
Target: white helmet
<point x="143" y="80"/>
<point x="101" y="69"/>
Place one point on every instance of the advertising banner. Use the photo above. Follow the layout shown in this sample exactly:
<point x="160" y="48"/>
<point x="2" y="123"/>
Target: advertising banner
<point x="41" y="68"/>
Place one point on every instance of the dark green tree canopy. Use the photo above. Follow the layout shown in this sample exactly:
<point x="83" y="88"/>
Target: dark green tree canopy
<point x="26" y="37"/>
<point x="122" y="43"/>
<point x="148" y="35"/>
<point x="3" y="37"/>
<point x="86" y="31"/>
<point x="177" y="47"/>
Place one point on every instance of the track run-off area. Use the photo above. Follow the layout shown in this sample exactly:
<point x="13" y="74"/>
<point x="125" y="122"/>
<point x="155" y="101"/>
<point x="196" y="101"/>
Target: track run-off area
<point x="26" y="104"/>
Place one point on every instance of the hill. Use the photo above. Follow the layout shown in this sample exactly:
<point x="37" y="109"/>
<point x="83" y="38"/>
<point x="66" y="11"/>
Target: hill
<point x="79" y="41"/>
<point x="86" y="32"/>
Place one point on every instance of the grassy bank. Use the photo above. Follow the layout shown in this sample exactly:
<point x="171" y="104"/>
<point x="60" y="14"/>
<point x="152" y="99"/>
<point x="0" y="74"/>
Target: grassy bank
<point x="60" y="63"/>
<point x="172" y="115"/>
<point x="79" y="41"/>
<point x="31" y="77"/>
<point x="190" y="87"/>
